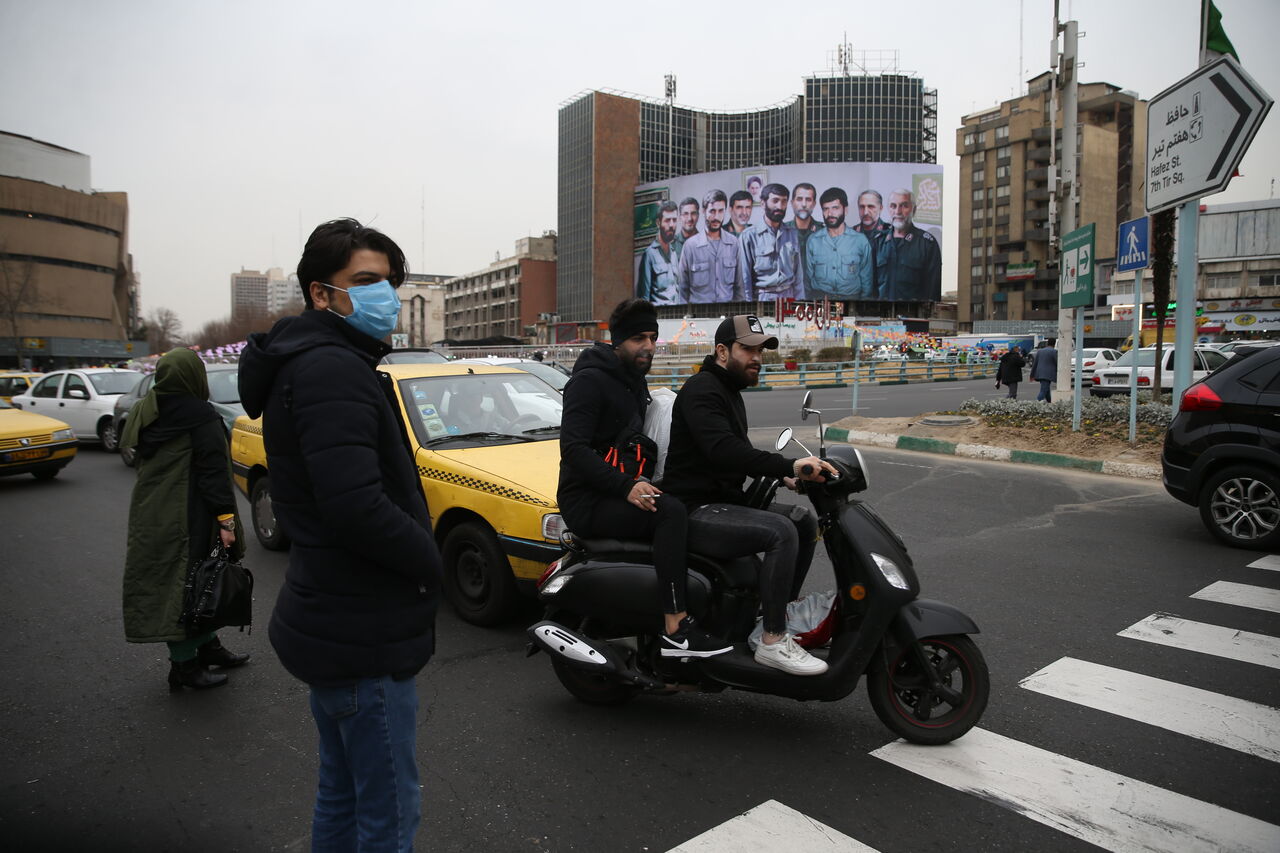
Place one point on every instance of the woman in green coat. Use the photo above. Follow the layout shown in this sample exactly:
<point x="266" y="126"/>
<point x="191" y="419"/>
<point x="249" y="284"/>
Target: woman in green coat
<point x="182" y="505"/>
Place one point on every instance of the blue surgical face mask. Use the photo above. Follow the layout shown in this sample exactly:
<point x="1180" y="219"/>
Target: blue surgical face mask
<point x="374" y="308"/>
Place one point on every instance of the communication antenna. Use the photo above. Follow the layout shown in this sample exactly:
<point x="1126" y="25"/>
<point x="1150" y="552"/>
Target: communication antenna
<point x="669" y="91"/>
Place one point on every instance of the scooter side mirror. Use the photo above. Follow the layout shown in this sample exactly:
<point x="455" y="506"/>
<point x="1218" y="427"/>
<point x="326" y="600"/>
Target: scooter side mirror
<point x="784" y="438"/>
<point x="804" y="405"/>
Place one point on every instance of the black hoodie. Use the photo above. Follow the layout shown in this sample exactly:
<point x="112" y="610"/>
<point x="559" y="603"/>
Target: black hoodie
<point x="601" y="399"/>
<point x="359" y="598"/>
<point x="710" y="455"/>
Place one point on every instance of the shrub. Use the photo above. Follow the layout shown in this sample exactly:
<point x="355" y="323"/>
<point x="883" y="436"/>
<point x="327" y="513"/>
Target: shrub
<point x="835" y="354"/>
<point x="800" y="356"/>
<point x="771" y="356"/>
<point x="1099" y="410"/>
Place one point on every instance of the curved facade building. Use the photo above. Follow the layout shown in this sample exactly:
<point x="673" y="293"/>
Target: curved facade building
<point x="610" y="142"/>
<point x="66" y="276"/>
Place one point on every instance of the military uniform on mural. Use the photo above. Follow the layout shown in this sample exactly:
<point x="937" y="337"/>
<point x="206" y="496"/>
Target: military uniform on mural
<point x="839" y="267"/>
<point x="873" y="237"/>
<point x="804" y="234"/>
<point x="658" y="274"/>
<point x="769" y="264"/>
<point x="908" y="268"/>
<point x="708" y="269"/>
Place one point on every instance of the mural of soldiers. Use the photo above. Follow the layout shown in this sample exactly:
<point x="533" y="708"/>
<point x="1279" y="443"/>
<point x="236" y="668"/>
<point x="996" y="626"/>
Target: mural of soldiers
<point x="908" y="259"/>
<point x="688" y="222"/>
<point x="870" y="203"/>
<point x="708" y="267"/>
<point x="740" y="207"/>
<point x="803" y="199"/>
<point x="769" y="255"/>
<point x="657" y="279"/>
<point x="838" y="263"/>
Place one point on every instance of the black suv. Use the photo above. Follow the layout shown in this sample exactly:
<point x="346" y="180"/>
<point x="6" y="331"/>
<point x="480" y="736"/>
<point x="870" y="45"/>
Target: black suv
<point x="1222" y="450"/>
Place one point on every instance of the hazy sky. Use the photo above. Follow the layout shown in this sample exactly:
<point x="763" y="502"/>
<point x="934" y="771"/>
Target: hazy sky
<point x="236" y="126"/>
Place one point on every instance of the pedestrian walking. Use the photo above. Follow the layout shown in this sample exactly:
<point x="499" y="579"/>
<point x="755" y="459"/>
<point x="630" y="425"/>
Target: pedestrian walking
<point x="182" y="505"/>
<point x="1009" y="373"/>
<point x="1044" y="369"/>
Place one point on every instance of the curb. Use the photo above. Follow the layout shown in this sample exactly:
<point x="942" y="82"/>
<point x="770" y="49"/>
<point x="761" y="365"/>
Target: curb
<point x="993" y="454"/>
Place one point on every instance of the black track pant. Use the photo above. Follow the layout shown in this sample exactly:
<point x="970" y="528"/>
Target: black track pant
<point x="615" y="518"/>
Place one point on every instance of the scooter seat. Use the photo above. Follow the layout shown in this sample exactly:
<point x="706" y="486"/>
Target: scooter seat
<point x="737" y="571"/>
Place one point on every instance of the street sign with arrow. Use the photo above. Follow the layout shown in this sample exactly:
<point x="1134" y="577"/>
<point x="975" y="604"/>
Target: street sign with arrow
<point x="1076" y="284"/>
<point x="1198" y="130"/>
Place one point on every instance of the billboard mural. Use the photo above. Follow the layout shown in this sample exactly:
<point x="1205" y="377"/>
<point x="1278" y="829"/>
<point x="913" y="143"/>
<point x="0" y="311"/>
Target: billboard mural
<point x="839" y="231"/>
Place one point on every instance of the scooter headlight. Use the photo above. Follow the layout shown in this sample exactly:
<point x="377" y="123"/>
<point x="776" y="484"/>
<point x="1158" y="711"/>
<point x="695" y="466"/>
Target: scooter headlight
<point x="892" y="573"/>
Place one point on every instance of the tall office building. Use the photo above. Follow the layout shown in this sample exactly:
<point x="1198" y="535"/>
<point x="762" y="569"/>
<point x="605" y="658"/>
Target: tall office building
<point x="506" y="298"/>
<point x="1007" y="265"/>
<point x="250" y="293"/>
<point x="612" y="141"/>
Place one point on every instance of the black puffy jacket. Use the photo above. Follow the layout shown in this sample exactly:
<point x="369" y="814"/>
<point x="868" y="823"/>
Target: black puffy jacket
<point x="360" y="595"/>
<point x="601" y="400"/>
<point x="710" y="455"/>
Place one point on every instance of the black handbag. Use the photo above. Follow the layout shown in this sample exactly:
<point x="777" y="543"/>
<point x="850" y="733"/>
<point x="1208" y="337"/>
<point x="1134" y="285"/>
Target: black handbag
<point x="218" y="594"/>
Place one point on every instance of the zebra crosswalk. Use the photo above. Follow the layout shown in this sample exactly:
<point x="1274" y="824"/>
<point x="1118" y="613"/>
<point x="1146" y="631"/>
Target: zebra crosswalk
<point x="1081" y="800"/>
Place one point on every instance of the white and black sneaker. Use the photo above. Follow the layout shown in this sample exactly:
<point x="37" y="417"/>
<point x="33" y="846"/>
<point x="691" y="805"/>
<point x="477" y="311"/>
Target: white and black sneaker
<point x="690" y="641"/>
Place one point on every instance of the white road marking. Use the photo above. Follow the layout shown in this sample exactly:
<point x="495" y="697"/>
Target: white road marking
<point x="768" y="827"/>
<point x="1223" y="720"/>
<point x="1095" y="805"/>
<point x="1241" y="595"/>
<point x="1271" y="562"/>
<point x="1168" y="630"/>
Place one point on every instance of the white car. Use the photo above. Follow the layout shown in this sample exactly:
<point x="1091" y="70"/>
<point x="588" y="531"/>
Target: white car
<point x="1115" y="379"/>
<point x="1095" y="360"/>
<point x="84" y="399"/>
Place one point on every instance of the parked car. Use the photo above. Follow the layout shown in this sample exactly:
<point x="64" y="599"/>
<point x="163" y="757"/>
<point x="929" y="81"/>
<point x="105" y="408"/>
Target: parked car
<point x="84" y="398"/>
<point x="551" y="373"/>
<point x="33" y="444"/>
<point x="1115" y="379"/>
<point x="1094" y="360"/>
<point x="1229" y="347"/>
<point x="490" y="490"/>
<point x="14" y="383"/>
<point x="414" y="355"/>
<point x="1222" y="449"/>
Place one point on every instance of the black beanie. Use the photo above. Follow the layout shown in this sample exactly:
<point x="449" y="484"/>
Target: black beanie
<point x="639" y="316"/>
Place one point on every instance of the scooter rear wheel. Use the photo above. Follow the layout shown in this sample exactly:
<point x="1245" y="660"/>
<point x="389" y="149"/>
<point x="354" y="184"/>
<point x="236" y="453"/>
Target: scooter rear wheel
<point x="905" y="702"/>
<point x="593" y="689"/>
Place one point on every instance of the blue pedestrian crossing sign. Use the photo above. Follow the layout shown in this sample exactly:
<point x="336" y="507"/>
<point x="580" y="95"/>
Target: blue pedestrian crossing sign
<point x="1132" y="245"/>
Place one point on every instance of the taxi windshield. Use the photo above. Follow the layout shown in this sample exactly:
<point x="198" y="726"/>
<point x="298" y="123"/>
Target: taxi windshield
<point x="481" y="408"/>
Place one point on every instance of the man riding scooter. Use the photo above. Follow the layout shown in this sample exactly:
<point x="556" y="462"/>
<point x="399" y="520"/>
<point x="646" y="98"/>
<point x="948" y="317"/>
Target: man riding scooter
<point x="708" y="459"/>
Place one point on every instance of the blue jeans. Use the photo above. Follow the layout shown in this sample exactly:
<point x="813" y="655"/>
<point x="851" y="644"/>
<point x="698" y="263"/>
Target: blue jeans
<point x="1045" y="394"/>
<point x="368" y="798"/>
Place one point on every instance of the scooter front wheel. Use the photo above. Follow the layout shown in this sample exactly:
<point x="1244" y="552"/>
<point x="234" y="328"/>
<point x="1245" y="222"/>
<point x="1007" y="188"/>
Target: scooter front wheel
<point x="908" y="701"/>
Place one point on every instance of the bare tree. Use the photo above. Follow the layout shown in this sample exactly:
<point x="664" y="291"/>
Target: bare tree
<point x="19" y="295"/>
<point x="164" y="330"/>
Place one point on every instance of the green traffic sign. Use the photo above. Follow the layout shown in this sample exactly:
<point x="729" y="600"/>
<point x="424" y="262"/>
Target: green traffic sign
<point x="1075" y="279"/>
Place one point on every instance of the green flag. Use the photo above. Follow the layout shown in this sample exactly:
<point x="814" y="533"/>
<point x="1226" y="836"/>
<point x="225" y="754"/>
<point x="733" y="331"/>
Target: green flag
<point x="1215" y="37"/>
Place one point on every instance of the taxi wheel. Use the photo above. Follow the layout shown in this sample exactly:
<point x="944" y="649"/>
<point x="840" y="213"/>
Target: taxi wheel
<point x="477" y="577"/>
<point x="265" y="526"/>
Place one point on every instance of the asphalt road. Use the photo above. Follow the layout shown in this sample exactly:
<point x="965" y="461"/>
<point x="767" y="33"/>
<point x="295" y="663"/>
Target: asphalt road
<point x="1051" y="564"/>
<point x="779" y="407"/>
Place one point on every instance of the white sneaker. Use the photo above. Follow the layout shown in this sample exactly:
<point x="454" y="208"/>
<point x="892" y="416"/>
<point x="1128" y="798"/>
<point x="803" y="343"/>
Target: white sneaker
<point x="788" y="656"/>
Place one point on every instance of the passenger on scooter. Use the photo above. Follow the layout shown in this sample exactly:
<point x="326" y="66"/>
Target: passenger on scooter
<point x="707" y="461"/>
<point x="599" y="495"/>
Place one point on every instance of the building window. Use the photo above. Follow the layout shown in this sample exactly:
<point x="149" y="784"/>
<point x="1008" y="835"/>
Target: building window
<point x="977" y="214"/>
<point x="977" y="251"/>
<point x="1002" y="153"/>
<point x="979" y="175"/>
<point x="1002" y="192"/>
<point x="968" y="139"/>
<point x="1003" y="171"/>
<point x="975" y="271"/>
<point x="1267" y="278"/>
<point x="1002" y="133"/>
<point x="1002" y="210"/>
<point x="978" y="195"/>
<point x="978" y="231"/>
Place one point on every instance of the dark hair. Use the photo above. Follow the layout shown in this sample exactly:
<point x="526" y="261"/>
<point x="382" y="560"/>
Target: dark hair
<point x="690" y="200"/>
<point x="713" y="196"/>
<point x="879" y="198"/>
<point x="740" y="195"/>
<point x="774" y="189"/>
<point x="668" y="206"/>
<point x="755" y="178"/>
<point x="804" y="185"/>
<point x="834" y="194"/>
<point x="329" y="250"/>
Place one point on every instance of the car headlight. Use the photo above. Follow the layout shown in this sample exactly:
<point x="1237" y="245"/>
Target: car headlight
<point x="62" y="434"/>
<point x="892" y="573"/>
<point x="552" y="526"/>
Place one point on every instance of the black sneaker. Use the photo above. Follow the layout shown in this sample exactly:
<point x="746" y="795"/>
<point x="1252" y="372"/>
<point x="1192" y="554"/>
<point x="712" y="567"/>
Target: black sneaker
<point x="690" y="641"/>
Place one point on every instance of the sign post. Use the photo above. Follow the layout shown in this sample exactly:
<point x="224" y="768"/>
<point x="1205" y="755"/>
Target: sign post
<point x="1197" y="132"/>
<point x="1076" y="289"/>
<point x="1132" y="253"/>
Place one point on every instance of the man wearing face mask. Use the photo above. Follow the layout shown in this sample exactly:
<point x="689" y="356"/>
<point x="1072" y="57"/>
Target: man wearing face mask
<point x="769" y="255"/>
<point x="355" y="617"/>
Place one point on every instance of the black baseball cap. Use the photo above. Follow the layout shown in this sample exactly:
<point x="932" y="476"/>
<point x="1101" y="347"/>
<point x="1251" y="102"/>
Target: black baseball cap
<point x="746" y="330"/>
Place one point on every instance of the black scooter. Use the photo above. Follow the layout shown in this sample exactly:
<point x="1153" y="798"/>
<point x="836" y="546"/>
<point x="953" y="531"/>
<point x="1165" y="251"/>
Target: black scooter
<point x="927" y="680"/>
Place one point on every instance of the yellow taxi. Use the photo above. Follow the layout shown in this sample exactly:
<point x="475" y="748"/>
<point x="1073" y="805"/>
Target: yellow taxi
<point x="33" y="444"/>
<point x="13" y="383"/>
<point x="486" y="442"/>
